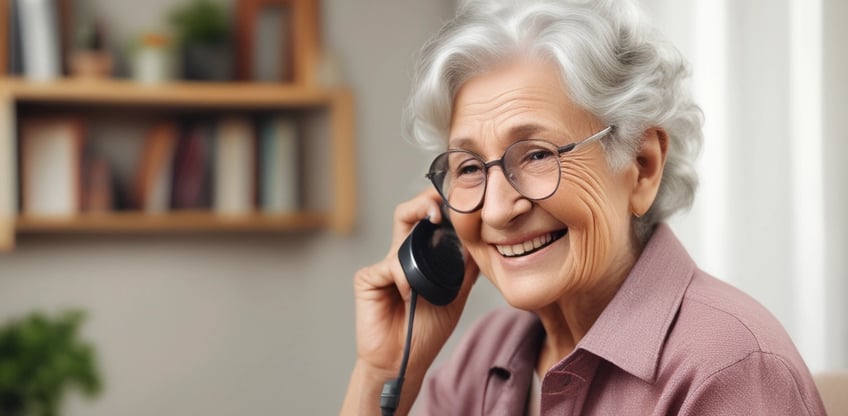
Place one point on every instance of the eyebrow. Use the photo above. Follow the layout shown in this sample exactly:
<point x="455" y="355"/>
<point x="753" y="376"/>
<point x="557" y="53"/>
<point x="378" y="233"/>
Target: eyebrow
<point x="519" y="132"/>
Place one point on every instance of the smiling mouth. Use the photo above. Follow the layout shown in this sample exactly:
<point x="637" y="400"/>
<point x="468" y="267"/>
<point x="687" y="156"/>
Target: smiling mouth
<point x="530" y="246"/>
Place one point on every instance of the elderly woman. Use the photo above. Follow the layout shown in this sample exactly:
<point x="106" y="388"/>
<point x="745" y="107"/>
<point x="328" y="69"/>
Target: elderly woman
<point x="570" y="139"/>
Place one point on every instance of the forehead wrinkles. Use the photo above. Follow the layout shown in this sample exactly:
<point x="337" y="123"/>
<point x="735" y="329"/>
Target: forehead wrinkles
<point x="505" y="103"/>
<point x="493" y="115"/>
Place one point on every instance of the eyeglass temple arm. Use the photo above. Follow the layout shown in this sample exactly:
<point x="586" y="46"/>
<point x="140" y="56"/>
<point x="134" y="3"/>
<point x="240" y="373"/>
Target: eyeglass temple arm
<point x="597" y="136"/>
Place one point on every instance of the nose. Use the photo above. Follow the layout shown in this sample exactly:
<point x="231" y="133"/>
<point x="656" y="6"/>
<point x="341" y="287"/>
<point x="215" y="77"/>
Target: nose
<point x="501" y="202"/>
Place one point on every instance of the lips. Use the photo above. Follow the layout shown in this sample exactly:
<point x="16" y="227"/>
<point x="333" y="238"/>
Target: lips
<point x="530" y="246"/>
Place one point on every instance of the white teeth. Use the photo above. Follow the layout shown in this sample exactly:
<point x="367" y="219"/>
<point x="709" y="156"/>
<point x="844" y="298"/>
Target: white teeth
<point x="525" y="247"/>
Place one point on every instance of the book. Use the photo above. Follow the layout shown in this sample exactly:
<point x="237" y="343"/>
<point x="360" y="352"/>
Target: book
<point x="64" y="15"/>
<point x="234" y="166"/>
<point x="272" y="55"/>
<point x="153" y="174"/>
<point x="14" y="55"/>
<point x="191" y="181"/>
<point x="278" y="167"/>
<point x="97" y="184"/>
<point x="51" y="153"/>
<point x="5" y="35"/>
<point x="40" y="39"/>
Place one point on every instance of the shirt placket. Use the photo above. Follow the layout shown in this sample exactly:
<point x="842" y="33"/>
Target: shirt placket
<point x="501" y="395"/>
<point x="565" y="387"/>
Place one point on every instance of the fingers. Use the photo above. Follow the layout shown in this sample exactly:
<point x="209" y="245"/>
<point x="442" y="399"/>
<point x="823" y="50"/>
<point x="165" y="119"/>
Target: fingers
<point x="373" y="281"/>
<point x="407" y="214"/>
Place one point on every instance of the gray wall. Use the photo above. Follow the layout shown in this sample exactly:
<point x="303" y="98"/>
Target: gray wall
<point x="232" y="324"/>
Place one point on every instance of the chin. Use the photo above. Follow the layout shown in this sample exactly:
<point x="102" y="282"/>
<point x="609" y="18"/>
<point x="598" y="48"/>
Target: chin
<point x="528" y="297"/>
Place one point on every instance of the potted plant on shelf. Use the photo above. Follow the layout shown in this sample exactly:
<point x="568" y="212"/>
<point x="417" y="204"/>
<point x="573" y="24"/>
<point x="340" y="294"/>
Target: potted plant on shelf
<point x="41" y="359"/>
<point x="90" y="58"/>
<point x="203" y="31"/>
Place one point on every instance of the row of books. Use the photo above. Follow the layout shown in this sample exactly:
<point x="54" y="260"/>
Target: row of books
<point x="232" y="165"/>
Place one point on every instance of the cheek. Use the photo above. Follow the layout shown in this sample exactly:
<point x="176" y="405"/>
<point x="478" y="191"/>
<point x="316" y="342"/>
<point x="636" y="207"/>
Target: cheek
<point x="593" y="217"/>
<point x="467" y="228"/>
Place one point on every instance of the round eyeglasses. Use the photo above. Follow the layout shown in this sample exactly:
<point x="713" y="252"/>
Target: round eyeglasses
<point x="532" y="167"/>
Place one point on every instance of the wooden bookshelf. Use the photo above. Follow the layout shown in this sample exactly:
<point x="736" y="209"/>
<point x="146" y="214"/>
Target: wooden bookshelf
<point x="245" y="95"/>
<point x="16" y="93"/>
<point x="197" y="221"/>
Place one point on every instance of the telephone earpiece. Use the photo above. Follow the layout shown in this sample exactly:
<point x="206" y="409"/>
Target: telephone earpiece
<point x="432" y="261"/>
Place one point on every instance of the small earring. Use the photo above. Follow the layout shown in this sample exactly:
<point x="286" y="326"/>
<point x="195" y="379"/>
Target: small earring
<point x="635" y="214"/>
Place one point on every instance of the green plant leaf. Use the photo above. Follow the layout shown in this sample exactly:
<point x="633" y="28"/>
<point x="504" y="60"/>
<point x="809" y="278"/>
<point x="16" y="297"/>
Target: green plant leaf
<point x="42" y="358"/>
<point x="201" y="21"/>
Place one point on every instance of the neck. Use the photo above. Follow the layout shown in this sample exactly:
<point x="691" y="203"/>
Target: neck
<point x="567" y="320"/>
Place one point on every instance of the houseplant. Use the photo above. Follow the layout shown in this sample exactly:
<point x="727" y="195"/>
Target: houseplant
<point x="90" y="57"/>
<point x="41" y="359"/>
<point x="203" y="32"/>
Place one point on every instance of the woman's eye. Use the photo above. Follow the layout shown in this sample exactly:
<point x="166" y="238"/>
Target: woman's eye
<point x="469" y="170"/>
<point x="540" y="154"/>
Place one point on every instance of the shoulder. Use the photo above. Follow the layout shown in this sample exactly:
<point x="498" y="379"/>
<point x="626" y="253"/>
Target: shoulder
<point x="724" y="344"/>
<point x="760" y="383"/>
<point x="715" y="316"/>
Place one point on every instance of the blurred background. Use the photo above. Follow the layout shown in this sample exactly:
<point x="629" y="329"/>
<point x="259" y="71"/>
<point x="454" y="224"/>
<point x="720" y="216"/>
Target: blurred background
<point x="259" y="323"/>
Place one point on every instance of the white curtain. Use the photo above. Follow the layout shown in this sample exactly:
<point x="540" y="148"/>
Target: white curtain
<point x="770" y="216"/>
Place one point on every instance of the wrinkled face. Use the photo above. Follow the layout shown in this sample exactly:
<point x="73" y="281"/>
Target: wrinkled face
<point x="538" y="252"/>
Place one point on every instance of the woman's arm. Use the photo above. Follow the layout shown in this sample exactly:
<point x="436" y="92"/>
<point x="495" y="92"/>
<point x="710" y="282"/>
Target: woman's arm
<point x="365" y="386"/>
<point x="382" y="310"/>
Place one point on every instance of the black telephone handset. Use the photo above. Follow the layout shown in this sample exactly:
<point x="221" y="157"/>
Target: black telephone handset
<point x="432" y="262"/>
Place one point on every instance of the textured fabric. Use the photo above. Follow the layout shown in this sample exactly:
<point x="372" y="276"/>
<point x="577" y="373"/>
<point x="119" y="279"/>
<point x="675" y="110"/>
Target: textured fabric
<point x="672" y="341"/>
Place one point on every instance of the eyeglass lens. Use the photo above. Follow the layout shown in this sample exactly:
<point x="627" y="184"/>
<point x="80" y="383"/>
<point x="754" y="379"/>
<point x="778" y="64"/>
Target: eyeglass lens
<point x="531" y="166"/>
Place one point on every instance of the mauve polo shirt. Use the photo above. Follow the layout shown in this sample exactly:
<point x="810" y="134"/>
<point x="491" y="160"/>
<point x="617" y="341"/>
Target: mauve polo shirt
<point x="672" y="341"/>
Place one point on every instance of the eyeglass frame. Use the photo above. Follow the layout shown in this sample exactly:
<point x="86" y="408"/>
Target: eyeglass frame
<point x="500" y="162"/>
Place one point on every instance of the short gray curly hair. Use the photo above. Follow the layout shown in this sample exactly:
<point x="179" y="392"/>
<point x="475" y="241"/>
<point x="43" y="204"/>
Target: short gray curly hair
<point x="614" y="63"/>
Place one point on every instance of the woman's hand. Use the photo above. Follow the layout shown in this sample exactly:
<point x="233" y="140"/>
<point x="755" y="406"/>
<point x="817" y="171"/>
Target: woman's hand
<point x="381" y="296"/>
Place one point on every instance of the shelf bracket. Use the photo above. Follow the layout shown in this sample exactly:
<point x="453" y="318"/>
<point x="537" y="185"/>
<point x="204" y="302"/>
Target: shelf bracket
<point x="8" y="169"/>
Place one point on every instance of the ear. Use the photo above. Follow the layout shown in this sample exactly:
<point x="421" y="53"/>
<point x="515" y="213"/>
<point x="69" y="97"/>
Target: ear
<point x="649" y="163"/>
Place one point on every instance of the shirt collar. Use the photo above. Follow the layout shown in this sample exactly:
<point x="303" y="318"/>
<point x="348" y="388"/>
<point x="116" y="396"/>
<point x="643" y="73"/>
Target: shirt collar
<point x="520" y="346"/>
<point x="632" y="329"/>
